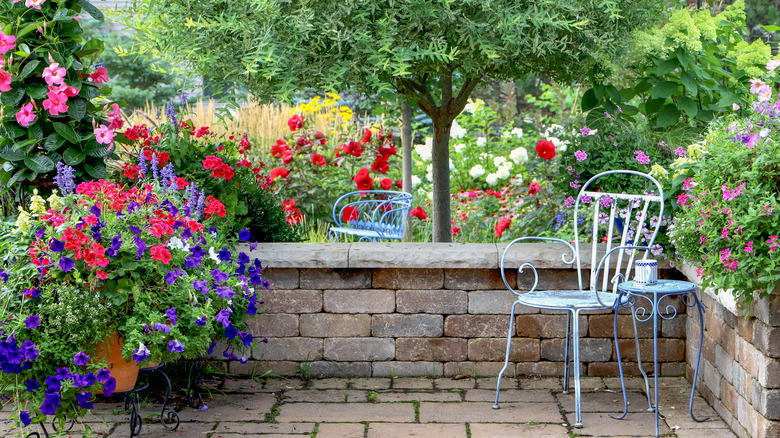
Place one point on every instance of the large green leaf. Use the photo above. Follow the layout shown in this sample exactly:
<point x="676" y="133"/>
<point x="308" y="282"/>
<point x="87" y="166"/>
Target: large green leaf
<point x="9" y="153"/>
<point x="12" y="130"/>
<point x="35" y="131"/>
<point x="28" y="68"/>
<point x="40" y="163"/>
<point x="37" y="92"/>
<point x="614" y="94"/>
<point x="654" y="105"/>
<point x="11" y="98"/>
<point x="689" y="83"/>
<point x="16" y="177"/>
<point x="89" y="92"/>
<point x="54" y="142"/>
<point x="688" y="106"/>
<point x="668" y="116"/>
<point x="91" y="10"/>
<point x="667" y="67"/>
<point x="97" y="171"/>
<point x="91" y="48"/>
<point x="664" y="89"/>
<point x="72" y="157"/>
<point x="727" y="99"/>
<point x="96" y="150"/>
<point x="77" y="108"/>
<point x="66" y="132"/>
<point x="64" y="14"/>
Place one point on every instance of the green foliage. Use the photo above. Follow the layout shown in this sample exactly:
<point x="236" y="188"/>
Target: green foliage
<point x="730" y="216"/>
<point x="29" y="150"/>
<point x="687" y="72"/>
<point x="135" y="80"/>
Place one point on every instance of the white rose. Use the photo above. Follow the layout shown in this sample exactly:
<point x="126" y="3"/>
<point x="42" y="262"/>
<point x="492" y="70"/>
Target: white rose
<point x="426" y="151"/>
<point x="492" y="179"/>
<point x="456" y="131"/>
<point x="415" y="181"/>
<point x="481" y="141"/>
<point x="498" y="161"/>
<point x="503" y="173"/>
<point x="517" y="132"/>
<point x="560" y="145"/>
<point x="519" y="155"/>
<point x="477" y="171"/>
<point x="429" y="172"/>
<point x="459" y="147"/>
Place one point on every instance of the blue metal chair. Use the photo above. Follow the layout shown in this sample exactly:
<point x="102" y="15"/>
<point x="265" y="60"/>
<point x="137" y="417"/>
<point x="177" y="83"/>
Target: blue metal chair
<point x="620" y="226"/>
<point x="371" y="215"/>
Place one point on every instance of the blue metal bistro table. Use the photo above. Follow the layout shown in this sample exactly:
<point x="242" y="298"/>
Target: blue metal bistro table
<point x="631" y="296"/>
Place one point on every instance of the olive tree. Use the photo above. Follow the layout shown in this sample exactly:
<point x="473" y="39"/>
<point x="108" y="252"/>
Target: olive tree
<point x="432" y="52"/>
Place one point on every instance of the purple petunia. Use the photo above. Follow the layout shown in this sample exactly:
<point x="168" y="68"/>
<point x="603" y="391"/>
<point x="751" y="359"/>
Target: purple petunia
<point x="56" y="245"/>
<point x="201" y="285"/>
<point x="201" y="321"/>
<point x="171" y="314"/>
<point x="246" y="338"/>
<point x="32" y="385"/>
<point x="84" y="380"/>
<point x="225" y="292"/>
<point x="116" y="243"/>
<point x="192" y="262"/>
<point x="211" y="348"/>
<point x="28" y="350"/>
<point x="231" y="332"/>
<point x="218" y="276"/>
<point x="141" y="353"/>
<point x="83" y="400"/>
<point x="63" y="373"/>
<point x="40" y="233"/>
<point x="243" y="258"/>
<point x="224" y="255"/>
<point x="175" y="346"/>
<point x="141" y="247"/>
<point x="244" y="235"/>
<point x="161" y="328"/>
<point x="135" y="229"/>
<point x="171" y="277"/>
<point x="223" y="316"/>
<point x="24" y="417"/>
<point x="109" y="386"/>
<point x="67" y="263"/>
<point x="80" y="359"/>
<point x="103" y="375"/>
<point x="32" y="321"/>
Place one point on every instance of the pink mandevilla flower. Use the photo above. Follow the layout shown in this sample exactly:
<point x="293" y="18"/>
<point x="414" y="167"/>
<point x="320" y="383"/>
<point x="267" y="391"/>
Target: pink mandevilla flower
<point x="100" y="76"/>
<point x="26" y="115"/>
<point x="35" y="4"/>
<point x="7" y="42"/>
<point x="54" y="74"/>
<point x="115" y="111"/>
<point x="5" y="81"/>
<point x="104" y="135"/>
<point x="55" y="103"/>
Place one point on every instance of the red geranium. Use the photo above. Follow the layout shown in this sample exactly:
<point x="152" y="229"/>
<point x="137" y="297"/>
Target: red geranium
<point x="280" y="172"/>
<point x="419" y="213"/>
<point x="295" y="122"/>
<point x="502" y="225"/>
<point x="214" y="207"/>
<point x="545" y="149"/>
<point x="363" y="180"/>
<point x="160" y="253"/>
<point x="130" y="170"/>
<point x="534" y="188"/>
<point x="318" y="160"/>
<point x="386" y="183"/>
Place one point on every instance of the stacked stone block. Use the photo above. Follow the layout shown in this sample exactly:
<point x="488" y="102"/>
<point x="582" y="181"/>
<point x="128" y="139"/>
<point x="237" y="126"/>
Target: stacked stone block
<point x="343" y="311"/>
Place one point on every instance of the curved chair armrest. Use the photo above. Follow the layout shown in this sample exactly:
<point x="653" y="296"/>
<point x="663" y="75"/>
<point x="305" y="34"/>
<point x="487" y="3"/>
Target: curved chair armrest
<point x="528" y="265"/>
<point x="617" y="277"/>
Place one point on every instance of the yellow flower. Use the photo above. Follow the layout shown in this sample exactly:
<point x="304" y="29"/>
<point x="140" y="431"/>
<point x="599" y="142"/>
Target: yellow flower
<point x="55" y="202"/>
<point x="37" y="204"/>
<point x="23" y="221"/>
<point x="695" y="151"/>
<point x="658" y="171"/>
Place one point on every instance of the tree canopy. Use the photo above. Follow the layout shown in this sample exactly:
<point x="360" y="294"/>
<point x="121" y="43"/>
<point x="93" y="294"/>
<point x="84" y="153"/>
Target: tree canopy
<point x="433" y="52"/>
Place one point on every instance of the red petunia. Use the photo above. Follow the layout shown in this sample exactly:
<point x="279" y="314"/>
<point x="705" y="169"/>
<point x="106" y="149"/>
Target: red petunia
<point x="161" y="253"/>
<point x="534" y="188"/>
<point x="295" y="122"/>
<point x="545" y="149"/>
<point x="502" y="225"/>
<point x="419" y="213"/>
<point x="363" y="180"/>
<point x="280" y="172"/>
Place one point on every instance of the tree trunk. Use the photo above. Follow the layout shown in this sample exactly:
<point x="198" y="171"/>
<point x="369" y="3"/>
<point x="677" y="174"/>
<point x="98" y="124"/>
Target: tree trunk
<point x="442" y="227"/>
<point x="406" y="150"/>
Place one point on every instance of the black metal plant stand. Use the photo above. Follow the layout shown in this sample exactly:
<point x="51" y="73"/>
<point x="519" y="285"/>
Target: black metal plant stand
<point x="37" y="434"/>
<point x="193" y="393"/>
<point x="172" y="421"/>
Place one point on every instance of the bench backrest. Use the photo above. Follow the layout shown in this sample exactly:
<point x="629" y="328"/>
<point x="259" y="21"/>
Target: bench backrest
<point x="383" y="211"/>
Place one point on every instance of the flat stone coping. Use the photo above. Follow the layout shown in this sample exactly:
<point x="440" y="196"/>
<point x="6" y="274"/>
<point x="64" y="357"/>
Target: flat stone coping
<point x="414" y="255"/>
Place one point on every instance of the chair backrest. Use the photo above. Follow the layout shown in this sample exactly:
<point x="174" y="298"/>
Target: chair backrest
<point x="605" y="221"/>
<point x="383" y="211"/>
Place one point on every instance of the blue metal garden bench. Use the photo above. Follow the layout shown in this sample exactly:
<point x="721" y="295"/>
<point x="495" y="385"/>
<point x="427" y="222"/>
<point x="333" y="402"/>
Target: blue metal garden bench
<point x="617" y="227"/>
<point x="371" y="215"/>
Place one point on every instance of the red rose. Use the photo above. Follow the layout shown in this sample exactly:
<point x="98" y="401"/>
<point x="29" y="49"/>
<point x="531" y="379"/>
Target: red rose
<point x="399" y="184"/>
<point x="349" y="214"/>
<point x="363" y="180"/>
<point x="455" y="230"/>
<point x="386" y="183"/>
<point x="502" y="225"/>
<point x="545" y="149"/>
<point x="280" y="172"/>
<point x="419" y="213"/>
<point x="278" y="150"/>
<point x="318" y="160"/>
<point x="534" y="188"/>
<point x="353" y="148"/>
<point x="386" y="150"/>
<point x="295" y="122"/>
<point x="320" y="137"/>
<point x="287" y="158"/>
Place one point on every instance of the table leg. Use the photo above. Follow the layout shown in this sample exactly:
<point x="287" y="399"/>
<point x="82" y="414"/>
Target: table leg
<point x="655" y="358"/>
<point x="700" y="309"/>
<point x="639" y="359"/>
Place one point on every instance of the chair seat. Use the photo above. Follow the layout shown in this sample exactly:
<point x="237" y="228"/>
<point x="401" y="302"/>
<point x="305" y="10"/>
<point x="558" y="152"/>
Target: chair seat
<point x="568" y="299"/>
<point x="370" y="234"/>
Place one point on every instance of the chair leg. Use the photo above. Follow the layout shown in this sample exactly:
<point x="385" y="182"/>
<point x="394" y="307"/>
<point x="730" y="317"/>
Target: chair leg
<point x="567" y="358"/>
<point x="575" y="315"/>
<point x="639" y="360"/>
<point x="506" y="358"/>
<point x="619" y="359"/>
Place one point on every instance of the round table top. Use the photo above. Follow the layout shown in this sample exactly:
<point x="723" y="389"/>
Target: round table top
<point x="662" y="287"/>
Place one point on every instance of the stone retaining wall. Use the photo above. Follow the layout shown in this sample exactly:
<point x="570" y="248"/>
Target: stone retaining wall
<point x="377" y="309"/>
<point x="740" y="361"/>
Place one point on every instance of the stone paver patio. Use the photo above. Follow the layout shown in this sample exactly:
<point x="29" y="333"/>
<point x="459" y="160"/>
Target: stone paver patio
<point x="415" y="407"/>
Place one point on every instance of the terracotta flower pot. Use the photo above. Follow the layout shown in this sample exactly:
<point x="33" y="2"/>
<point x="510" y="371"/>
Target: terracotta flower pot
<point x="125" y="373"/>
